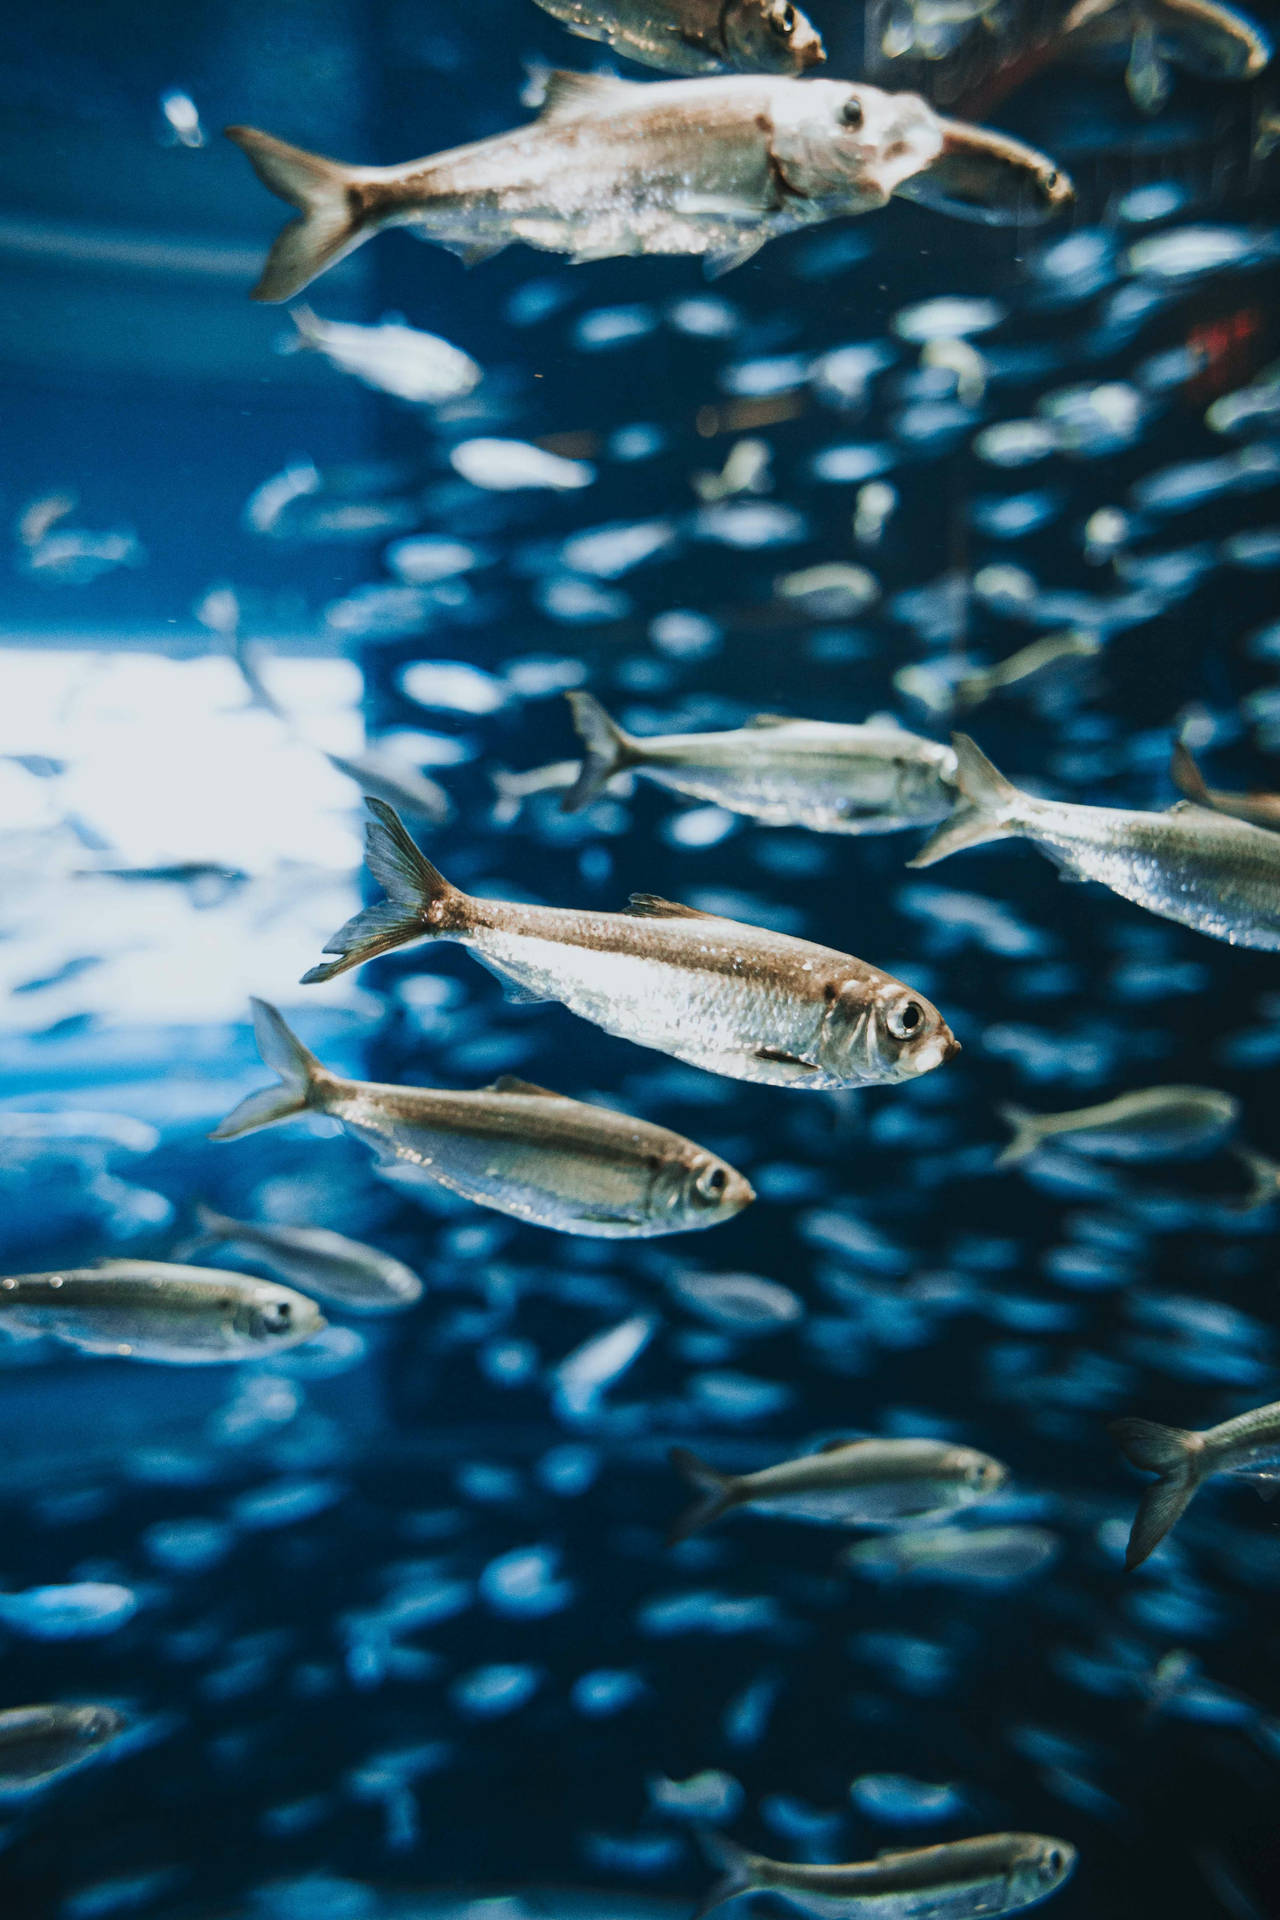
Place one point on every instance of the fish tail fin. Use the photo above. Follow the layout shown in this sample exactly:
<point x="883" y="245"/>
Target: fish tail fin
<point x="420" y="900"/>
<point x="983" y="811"/>
<point x="1264" y="1180"/>
<point x="737" y="1870"/>
<point x="210" y="1228"/>
<point x="307" y="330"/>
<point x="1026" y="1134"/>
<point x="1175" y="1455"/>
<point x="606" y="750"/>
<point x="1186" y="775"/>
<point x="335" y="211"/>
<point x="716" y="1488"/>
<point x="301" y="1078"/>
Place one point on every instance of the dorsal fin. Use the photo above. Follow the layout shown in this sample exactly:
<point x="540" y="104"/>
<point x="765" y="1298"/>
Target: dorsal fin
<point x="507" y="1083"/>
<point x="771" y="720"/>
<point x="651" y="906"/>
<point x="569" y="95"/>
<point x="836" y="1446"/>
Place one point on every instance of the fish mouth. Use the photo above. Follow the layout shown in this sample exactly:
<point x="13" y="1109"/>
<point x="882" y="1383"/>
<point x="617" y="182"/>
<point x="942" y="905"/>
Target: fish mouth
<point x="951" y="1049"/>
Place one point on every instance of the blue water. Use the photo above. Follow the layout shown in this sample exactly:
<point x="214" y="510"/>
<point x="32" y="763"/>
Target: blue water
<point x="399" y="1630"/>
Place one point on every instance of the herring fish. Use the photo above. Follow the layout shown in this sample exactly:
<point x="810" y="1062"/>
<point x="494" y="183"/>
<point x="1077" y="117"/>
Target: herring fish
<point x="1209" y="39"/>
<point x="994" y="1874"/>
<point x="1246" y="1448"/>
<point x="342" y="1272"/>
<point x="848" y="1483"/>
<point x="990" y="177"/>
<point x="393" y="358"/>
<point x="1157" y="1123"/>
<point x="731" y="998"/>
<point x="698" y="36"/>
<point x="1206" y="871"/>
<point x="713" y="167"/>
<point x="38" y="1744"/>
<point x="1260" y="809"/>
<point x="518" y="1148"/>
<point x="973" y="688"/>
<point x="955" y="1556"/>
<point x="152" y="1310"/>
<point x="876" y="778"/>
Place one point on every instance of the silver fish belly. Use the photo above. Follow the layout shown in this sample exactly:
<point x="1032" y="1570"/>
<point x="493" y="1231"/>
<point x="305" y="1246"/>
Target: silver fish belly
<point x="697" y="36"/>
<point x="994" y="1874"/>
<point x="150" y="1310"/>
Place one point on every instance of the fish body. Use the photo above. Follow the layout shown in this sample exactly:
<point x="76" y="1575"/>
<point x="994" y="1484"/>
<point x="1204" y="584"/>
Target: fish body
<point x="990" y="177"/>
<point x="876" y="778"/>
<point x="714" y="167"/>
<point x="973" y="688"/>
<point x="995" y="1874"/>
<point x="1217" y="875"/>
<point x="727" y="997"/>
<point x="37" y="1744"/>
<point x="1246" y="1448"/>
<point x="404" y="788"/>
<point x="955" y="1556"/>
<point x="698" y="36"/>
<point x="152" y="1310"/>
<point x="343" y="1272"/>
<point x="1259" y="809"/>
<point x="851" y="1483"/>
<point x="391" y="358"/>
<point x="1213" y="41"/>
<point x="1157" y="1123"/>
<point x="536" y="1155"/>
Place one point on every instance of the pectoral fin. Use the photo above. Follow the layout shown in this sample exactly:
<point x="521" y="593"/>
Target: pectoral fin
<point x="724" y="259"/>
<point x="778" y="1056"/>
<point x="513" y="991"/>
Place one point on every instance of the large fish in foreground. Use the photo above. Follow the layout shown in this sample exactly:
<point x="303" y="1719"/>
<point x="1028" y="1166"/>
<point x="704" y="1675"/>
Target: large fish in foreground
<point x="874" y="778"/>
<point x="1246" y="1448"/>
<point x="711" y="167"/>
<point x="698" y="36"/>
<point x="551" y="1161"/>
<point x="731" y="998"/>
<point x="152" y="1310"/>
<point x="994" y="1874"/>
<point x="1218" y="875"/>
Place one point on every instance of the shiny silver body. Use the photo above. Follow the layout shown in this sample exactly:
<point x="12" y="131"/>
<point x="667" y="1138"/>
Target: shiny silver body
<point x="151" y="1310"/>
<point x="343" y="1272"/>
<point x="697" y="36"/>
<point x="995" y="1874"/>
<point x="870" y="1483"/>
<point x="37" y="1744"/>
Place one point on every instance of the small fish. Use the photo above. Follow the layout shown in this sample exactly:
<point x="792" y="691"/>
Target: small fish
<point x="991" y="178"/>
<point x="731" y="998"/>
<point x="513" y="789"/>
<point x="38" y="1744"/>
<point x="1206" y="871"/>
<point x="517" y="1148"/>
<point x="712" y="167"/>
<point x="1158" y="1123"/>
<point x="340" y="1271"/>
<point x="1073" y="644"/>
<point x="849" y="1483"/>
<point x="1246" y="1448"/>
<point x="150" y="1310"/>
<point x="698" y="36"/>
<point x="997" y="1873"/>
<point x="746" y="470"/>
<point x="402" y="787"/>
<point x="955" y="1556"/>
<point x="1212" y="41"/>
<point x="876" y="778"/>
<point x="391" y="358"/>
<point x="1259" y="809"/>
<point x="1264" y="1180"/>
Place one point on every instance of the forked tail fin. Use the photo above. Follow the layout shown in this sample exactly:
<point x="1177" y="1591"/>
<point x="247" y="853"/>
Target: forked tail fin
<point x="717" y="1490"/>
<point x="606" y="750"/>
<point x="985" y="810"/>
<point x="1186" y="774"/>
<point x="1026" y="1134"/>
<point x="335" y="210"/>
<point x="301" y="1075"/>
<point x="737" y="1871"/>
<point x="210" y="1229"/>
<point x="1178" y="1457"/>
<point x="420" y="900"/>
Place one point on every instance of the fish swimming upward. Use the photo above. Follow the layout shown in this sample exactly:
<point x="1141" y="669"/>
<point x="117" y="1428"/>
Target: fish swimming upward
<point x="1202" y="869"/>
<point x="711" y="167"/>
<point x="1246" y="1448"/>
<point x="731" y="998"/>
<point x="698" y="36"/>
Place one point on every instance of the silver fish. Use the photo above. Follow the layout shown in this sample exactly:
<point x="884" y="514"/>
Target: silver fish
<point x="1246" y="1448"/>
<point x="1260" y="809"/>
<point x="730" y="998"/>
<point x="405" y="788"/>
<point x="343" y="1272"/>
<point x="991" y="178"/>
<point x="876" y="778"/>
<point x="1213" y="41"/>
<point x="513" y="789"/>
<point x="994" y="1874"/>
<point x="37" y="1744"/>
<point x="698" y="36"/>
<point x="710" y="167"/>
<point x="1157" y="1123"/>
<point x="152" y="1310"/>
<point x="973" y="688"/>
<point x="955" y="1556"/>
<point x="393" y="358"/>
<point x="849" y="1483"/>
<point x="1220" y="876"/>
<point x="518" y="1148"/>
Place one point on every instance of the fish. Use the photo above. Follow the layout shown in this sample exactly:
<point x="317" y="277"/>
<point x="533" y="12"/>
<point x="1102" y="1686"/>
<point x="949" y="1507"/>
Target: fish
<point x="404" y="787"/>
<point x="848" y="1483"/>
<point x="698" y="36"/>
<point x="1189" y="865"/>
<point x="1264" y="1180"/>
<point x="1157" y="1123"/>
<point x="154" y="1310"/>
<point x="1246" y="1448"/>
<point x="342" y="1272"/>
<point x="993" y="1874"/>
<point x="746" y="470"/>
<point x="728" y="997"/>
<point x="520" y="1149"/>
<point x="392" y="357"/>
<point x="714" y="167"/>
<point x="1260" y="809"/>
<point x="874" y="778"/>
<point x="511" y="790"/>
<point x="1208" y="39"/>
<point x="955" y="1556"/>
<point x="1072" y="644"/>
<point x="991" y="178"/>
<point x="39" y="1744"/>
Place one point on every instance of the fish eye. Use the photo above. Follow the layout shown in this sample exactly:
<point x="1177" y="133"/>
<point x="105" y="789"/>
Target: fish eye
<point x="713" y="1182"/>
<point x="851" y="113"/>
<point x="905" y="1021"/>
<point x="1055" y="1861"/>
<point x="1051" y="179"/>
<point x="276" y="1316"/>
<point x="783" y="20"/>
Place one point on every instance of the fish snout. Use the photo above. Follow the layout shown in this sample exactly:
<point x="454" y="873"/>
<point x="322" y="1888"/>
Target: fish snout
<point x="952" y="1047"/>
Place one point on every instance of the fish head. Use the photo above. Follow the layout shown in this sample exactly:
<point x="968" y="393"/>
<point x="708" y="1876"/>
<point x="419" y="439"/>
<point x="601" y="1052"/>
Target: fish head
<point x="978" y="1474"/>
<point x="277" y="1317"/>
<point x="770" y="36"/>
<point x="703" y="1189"/>
<point x="94" y="1726"/>
<point x="992" y="178"/>
<point x="890" y="1034"/>
<point x="1040" y="1865"/>
<point x="849" y="144"/>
